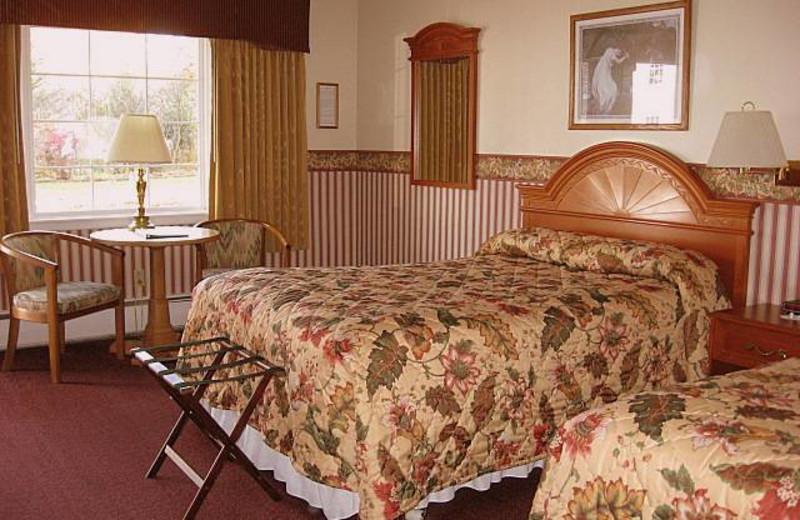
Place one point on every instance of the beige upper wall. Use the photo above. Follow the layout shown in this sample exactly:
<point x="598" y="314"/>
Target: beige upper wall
<point x="743" y="50"/>
<point x="333" y="59"/>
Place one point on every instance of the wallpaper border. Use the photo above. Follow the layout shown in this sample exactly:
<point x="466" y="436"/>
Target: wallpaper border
<point x="725" y="183"/>
<point x="359" y="161"/>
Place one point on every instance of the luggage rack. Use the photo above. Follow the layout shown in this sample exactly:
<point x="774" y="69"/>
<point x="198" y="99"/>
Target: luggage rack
<point x="170" y="373"/>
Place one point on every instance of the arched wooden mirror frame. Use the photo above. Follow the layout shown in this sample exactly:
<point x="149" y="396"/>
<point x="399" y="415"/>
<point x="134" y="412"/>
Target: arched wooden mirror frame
<point x="443" y="41"/>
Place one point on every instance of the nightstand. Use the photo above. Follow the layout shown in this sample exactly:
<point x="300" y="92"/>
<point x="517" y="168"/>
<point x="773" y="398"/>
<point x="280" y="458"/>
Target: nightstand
<point x="750" y="336"/>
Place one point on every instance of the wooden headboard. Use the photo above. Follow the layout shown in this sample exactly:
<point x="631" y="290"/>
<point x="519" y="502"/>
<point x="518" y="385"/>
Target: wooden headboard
<point x="636" y="191"/>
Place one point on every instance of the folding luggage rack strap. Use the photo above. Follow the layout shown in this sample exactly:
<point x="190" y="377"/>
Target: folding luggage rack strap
<point x="170" y="372"/>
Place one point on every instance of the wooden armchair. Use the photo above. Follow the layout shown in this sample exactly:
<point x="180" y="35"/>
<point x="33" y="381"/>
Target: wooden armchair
<point x="30" y="262"/>
<point x="241" y="245"/>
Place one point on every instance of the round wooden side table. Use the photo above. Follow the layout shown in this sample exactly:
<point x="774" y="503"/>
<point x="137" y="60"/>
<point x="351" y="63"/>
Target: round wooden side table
<point x="159" y="330"/>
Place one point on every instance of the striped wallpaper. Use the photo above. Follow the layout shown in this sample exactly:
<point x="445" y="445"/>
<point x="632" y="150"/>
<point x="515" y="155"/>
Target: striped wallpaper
<point x="80" y="263"/>
<point x="394" y="222"/>
<point x="366" y="218"/>
<point x="374" y="218"/>
<point x="775" y="254"/>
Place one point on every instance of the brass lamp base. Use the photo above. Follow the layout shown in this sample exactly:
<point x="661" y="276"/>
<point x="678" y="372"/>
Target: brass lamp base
<point x="140" y="222"/>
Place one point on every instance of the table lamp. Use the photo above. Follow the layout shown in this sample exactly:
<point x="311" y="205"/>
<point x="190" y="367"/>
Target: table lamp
<point x="139" y="140"/>
<point x="748" y="139"/>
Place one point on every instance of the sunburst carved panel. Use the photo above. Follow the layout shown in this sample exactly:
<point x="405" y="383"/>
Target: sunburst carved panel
<point x="628" y="189"/>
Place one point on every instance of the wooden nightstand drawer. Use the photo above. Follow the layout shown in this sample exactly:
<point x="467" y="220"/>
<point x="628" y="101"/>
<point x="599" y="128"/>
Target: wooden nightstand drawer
<point x="752" y="336"/>
<point x="748" y="346"/>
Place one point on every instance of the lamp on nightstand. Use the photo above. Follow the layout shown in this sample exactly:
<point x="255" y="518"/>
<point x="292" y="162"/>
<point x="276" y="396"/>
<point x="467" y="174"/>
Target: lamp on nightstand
<point x="748" y="139"/>
<point x="139" y="140"/>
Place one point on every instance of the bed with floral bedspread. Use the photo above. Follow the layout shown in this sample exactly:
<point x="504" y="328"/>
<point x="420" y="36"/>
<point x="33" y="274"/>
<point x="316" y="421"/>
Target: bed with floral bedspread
<point x="403" y="380"/>
<point x="723" y="448"/>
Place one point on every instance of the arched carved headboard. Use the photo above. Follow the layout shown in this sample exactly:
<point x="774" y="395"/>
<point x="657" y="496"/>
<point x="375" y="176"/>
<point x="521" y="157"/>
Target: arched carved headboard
<point x="635" y="191"/>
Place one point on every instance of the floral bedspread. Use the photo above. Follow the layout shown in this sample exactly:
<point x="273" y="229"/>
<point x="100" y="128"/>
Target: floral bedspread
<point x="403" y="380"/>
<point x="723" y="448"/>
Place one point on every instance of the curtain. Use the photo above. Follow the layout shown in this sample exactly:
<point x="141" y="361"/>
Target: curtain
<point x="444" y="109"/>
<point x="13" y="200"/>
<point x="259" y="167"/>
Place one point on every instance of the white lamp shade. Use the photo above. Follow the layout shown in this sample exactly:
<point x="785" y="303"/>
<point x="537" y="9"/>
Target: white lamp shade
<point x="748" y="139"/>
<point x="139" y="140"/>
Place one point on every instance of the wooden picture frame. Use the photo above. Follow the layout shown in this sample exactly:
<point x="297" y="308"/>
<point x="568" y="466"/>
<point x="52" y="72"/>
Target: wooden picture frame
<point x="630" y="68"/>
<point x="327" y="105"/>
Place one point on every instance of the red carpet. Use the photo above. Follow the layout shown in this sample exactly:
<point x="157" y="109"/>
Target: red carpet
<point x="80" y="450"/>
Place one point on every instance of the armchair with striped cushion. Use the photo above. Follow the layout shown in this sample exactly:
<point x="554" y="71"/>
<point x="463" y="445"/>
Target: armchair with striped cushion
<point x="241" y="244"/>
<point x="37" y="292"/>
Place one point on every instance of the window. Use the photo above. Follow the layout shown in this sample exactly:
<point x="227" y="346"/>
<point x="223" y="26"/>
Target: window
<point x="77" y="86"/>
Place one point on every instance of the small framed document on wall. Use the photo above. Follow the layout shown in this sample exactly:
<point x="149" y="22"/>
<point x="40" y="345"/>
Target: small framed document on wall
<point x="327" y="105"/>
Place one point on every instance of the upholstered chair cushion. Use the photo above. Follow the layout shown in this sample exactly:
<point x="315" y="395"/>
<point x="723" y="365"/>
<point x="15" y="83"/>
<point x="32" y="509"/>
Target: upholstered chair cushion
<point x="27" y="276"/>
<point x="72" y="296"/>
<point x="239" y="245"/>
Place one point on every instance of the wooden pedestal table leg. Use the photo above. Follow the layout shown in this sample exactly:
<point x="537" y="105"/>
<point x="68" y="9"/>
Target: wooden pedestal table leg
<point x="159" y="329"/>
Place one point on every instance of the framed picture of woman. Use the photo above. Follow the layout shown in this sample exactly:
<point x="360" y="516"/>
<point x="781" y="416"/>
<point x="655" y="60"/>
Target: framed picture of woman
<point x="629" y="68"/>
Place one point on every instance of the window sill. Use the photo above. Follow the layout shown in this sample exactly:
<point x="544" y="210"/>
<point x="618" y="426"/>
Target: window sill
<point x="77" y="223"/>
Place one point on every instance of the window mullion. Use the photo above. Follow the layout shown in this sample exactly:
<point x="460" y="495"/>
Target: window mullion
<point x="147" y="109"/>
<point x="90" y="119"/>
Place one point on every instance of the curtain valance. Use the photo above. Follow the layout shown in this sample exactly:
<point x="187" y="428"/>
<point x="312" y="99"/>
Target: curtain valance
<point x="273" y="24"/>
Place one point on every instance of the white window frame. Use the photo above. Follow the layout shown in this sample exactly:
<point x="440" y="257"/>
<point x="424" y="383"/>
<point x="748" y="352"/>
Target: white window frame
<point x="114" y="218"/>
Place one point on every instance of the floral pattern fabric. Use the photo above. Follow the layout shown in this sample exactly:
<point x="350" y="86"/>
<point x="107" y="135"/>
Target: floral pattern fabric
<point x="403" y="380"/>
<point x="696" y="277"/>
<point x="723" y="448"/>
<point x="72" y="296"/>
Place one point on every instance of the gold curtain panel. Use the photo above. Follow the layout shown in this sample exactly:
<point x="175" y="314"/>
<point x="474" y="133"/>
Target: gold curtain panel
<point x="444" y="111"/>
<point x="444" y="77"/>
<point x="13" y="201"/>
<point x="259" y="135"/>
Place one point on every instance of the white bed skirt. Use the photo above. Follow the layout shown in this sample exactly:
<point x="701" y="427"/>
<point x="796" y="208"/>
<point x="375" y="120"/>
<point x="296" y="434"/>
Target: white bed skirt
<point x="338" y="504"/>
